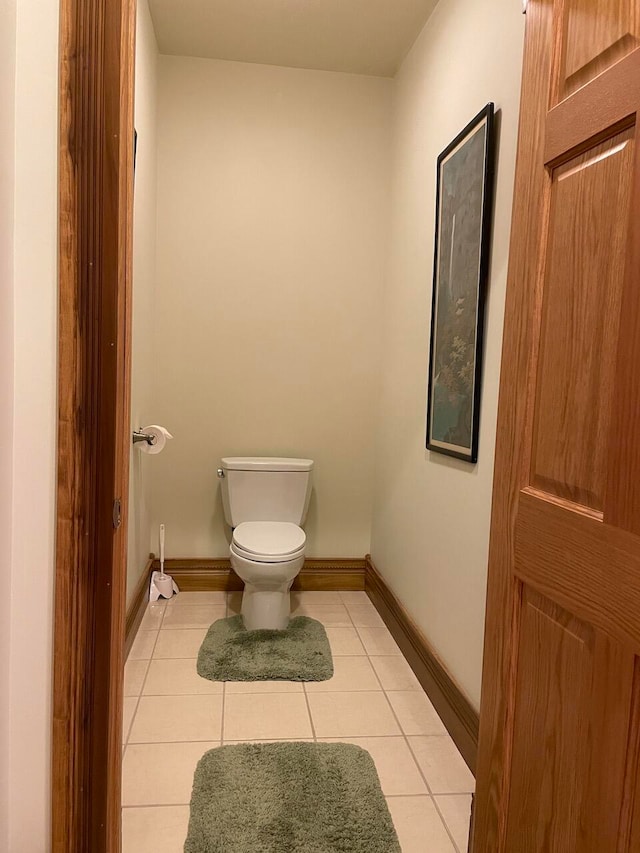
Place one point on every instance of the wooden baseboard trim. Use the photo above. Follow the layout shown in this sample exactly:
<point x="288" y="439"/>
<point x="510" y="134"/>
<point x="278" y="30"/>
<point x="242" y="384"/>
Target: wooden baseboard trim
<point x="135" y="610"/>
<point x="207" y="575"/>
<point x="216" y="575"/>
<point x="455" y="710"/>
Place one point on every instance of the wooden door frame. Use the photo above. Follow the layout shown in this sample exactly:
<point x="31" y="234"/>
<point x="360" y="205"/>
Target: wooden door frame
<point x="95" y="226"/>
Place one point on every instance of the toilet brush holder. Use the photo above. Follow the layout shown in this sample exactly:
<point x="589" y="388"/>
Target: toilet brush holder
<point x="162" y="586"/>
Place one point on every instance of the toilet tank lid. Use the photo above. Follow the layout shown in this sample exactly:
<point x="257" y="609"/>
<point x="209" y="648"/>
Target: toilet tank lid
<point x="265" y="463"/>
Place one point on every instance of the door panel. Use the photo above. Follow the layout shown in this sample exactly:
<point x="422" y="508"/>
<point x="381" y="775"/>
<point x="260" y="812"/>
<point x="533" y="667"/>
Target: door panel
<point x="560" y="716"/>
<point x="555" y="667"/>
<point x="594" y="39"/>
<point x="581" y="308"/>
<point x="588" y="567"/>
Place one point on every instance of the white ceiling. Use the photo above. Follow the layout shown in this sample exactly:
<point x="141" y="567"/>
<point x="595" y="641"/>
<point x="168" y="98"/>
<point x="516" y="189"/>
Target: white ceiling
<point x="357" y="36"/>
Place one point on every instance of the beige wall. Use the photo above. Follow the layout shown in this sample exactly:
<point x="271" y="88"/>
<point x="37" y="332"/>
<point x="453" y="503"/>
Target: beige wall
<point x="7" y="170"/>
<point x="272" y="229"/>
<point x="34" y="434"/>
<point x="431" y="515"/>
<point x="144" y="283"/>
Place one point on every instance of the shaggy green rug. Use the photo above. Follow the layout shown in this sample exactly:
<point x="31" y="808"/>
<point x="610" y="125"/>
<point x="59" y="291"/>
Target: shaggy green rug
<point x="289" y="798"/>
<point x="231" y="653"/>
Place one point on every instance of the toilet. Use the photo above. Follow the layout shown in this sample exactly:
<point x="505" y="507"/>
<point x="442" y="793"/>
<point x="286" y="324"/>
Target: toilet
<point x="265" y="501"/>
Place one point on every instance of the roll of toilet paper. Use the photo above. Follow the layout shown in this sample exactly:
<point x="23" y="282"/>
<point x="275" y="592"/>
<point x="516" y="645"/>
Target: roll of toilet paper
<point x="162" y="436"/>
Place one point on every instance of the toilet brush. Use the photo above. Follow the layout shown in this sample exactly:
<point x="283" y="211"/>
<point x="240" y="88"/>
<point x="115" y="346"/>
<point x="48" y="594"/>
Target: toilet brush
<point x="161" y="584"/>
<point x="162" y="574"/>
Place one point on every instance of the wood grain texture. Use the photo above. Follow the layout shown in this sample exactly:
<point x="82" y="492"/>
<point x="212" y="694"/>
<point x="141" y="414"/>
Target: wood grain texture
<point x="558" y="765"/>
<point x="599" y="561"/>
<point x="594" y="37"/>
<point x="455" y="710"/>
<point x="622" y="507"/>
<point x="137" y="607"/>
<point x="580" y="317"/>
<point x="95" y="189"/>
<point x="591" y="114"/>
<point x="630" y="813"/>
<point x="552" y="688"/>
<point x="194" y="575"/>
<point x="511" y="469"/>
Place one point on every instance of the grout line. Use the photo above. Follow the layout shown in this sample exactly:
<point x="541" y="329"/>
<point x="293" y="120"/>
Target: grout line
<point x="415" y="796"/>
<point x="173" y="742"/>
<point x="224" y="683"/>
<point x="190" y="657"/>
<point x="224" y="694"/>
<point x="306" y="699"/>
<point x="139" y="696"/>
<point x="455" y="794"/>
<point x="158" y="806"/>
<point x="429" y="793"/>
<point x="406" y="739"/>
<point x="172" y="695"/>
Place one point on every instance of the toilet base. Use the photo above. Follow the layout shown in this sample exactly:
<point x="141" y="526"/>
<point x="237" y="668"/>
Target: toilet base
<point x="266" y="601"/>
<point x="265" y="609"/>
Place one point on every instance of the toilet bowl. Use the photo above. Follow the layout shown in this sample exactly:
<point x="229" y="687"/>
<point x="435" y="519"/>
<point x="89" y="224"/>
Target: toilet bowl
<point x="265" y="501"/>
<point x="267" y="556"/>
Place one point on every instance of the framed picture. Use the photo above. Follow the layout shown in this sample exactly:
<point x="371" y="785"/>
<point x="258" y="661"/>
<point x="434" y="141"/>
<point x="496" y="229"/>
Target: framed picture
<point x="464" y="199"/>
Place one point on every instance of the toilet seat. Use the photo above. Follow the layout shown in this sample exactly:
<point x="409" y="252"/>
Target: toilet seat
<point x="268" y="541"/>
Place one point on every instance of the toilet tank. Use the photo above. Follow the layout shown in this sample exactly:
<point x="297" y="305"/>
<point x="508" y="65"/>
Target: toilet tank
<point x="265" y="488"/>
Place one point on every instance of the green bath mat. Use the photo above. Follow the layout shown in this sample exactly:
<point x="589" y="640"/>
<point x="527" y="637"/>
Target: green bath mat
<point x="289" y="798"/>
<point x="231" y="653"/>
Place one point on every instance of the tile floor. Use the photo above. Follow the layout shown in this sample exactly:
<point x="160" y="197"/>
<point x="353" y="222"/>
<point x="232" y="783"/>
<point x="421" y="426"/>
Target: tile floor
<point x="172" y="716"/>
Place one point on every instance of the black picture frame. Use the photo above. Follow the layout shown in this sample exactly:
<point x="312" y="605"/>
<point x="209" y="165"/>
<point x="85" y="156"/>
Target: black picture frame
<point x="464" y="198"/>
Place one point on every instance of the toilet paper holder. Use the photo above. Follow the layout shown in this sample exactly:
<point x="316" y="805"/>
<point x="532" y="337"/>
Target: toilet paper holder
<point x="138" y="436"/>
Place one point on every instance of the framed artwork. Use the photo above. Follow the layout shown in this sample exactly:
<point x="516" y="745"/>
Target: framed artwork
<point x="464" y="200"/>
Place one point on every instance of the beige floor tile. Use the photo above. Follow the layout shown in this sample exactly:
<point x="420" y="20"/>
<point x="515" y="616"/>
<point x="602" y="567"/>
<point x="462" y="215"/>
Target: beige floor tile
<point x="157" y="774"/>
<point x="344" y="640"/>
<point x="394" y="762"/>
<point x="366" y="617"/>
<point x="152" y="619"/>
<point x="328" y="614"/>
<point x="271" y="740"/>
<point x="263" y="687"/>
<point x="128" y="710"/>
<point x="378" y="641"/>
<point x="418" y="824"/>
<point x="268" y="715"/>
<point x="143" y="644"/>
<point x="395" y="673"/>
<point x="179" y="643"/>
<point x="456" y="810"/>
<point x="298" y="598"/>
<point x="197" y="598"/>
<point x="415" y="713"/>
<point x="134" y="673"/>
<point x="177" y="718"/>
<point x="193" y="616"/>
<point x="338" y="715"/>
<point x="442" y="765"/>
<point x="176" y="676"/>
<point x="355" y="599"/>
<point x="159" y="829"/>
<point x="349" y="673"/>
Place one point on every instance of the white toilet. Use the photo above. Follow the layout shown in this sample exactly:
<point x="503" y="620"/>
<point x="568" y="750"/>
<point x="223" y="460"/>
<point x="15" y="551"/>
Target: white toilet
<point x="265" y="501"/>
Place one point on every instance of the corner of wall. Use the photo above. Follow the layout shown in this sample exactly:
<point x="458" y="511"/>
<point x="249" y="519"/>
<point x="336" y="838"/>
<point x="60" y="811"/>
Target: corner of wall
<point x="140" y="514"/>
<point x="432" y="513"/>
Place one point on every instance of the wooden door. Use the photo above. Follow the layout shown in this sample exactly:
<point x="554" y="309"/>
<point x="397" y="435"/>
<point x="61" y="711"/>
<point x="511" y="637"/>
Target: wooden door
<point x="95" y="203"/>
<point x="560" y="719"/>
